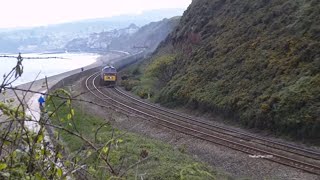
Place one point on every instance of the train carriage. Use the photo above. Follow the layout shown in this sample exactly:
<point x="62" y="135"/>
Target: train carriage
<point x="108" y="76"/>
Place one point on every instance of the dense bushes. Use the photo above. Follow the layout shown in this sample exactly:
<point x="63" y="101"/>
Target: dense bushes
<point x="255" y="61"/>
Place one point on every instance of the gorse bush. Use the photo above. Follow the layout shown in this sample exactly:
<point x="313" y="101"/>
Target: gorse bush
<point x="257" y="62"/>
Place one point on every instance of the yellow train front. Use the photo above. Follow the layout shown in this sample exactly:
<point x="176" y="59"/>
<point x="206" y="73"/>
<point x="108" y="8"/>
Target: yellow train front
<point x="108" y="76"/>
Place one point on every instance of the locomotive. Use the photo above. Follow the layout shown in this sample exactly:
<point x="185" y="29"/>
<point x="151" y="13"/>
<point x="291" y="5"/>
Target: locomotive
<point x="108" y="76"/>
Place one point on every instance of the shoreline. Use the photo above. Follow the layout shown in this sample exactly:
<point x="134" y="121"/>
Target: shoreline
<point x="39" y="85"/>
<point x="100" y="60"/>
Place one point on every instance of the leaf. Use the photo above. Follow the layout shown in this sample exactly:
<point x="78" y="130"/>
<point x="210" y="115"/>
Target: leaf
<point x="3" y="166"/>
<point x="56" y="134"/>
<point x="37" y="156"/>
<point x="42" y="151"/>
<point x="59" y="155"/>
<point x="59" y="172"/>
<point x="72" y="112"/>
<point x="89" y="153"/>
<point x="14" y="154"/>
<point x="67" y="163"/>
<point x="92" y="170"/>
<point x="39" y="177"/>
<point x="69" y="116"/>
<point x="6" y="142"/>
<point x="68" y="102"/>
<point x="40" y="138"/>
<point x="105" y="149"/>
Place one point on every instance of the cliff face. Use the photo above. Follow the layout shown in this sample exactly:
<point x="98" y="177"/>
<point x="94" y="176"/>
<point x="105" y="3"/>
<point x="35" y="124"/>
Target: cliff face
<point x="256" y="61"/>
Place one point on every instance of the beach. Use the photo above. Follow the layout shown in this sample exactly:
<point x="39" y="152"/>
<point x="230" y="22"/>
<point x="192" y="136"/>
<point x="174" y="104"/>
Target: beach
<point x="40" y="85"/>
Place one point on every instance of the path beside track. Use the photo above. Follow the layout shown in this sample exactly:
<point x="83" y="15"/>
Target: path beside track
<point x="276" y="169"/>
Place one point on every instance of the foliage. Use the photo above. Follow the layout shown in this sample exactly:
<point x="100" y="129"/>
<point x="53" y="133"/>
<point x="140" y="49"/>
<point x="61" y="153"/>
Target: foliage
<point x="158" y="73"/>
<point x="65" y="143"/>
<point x="257" y="62"/>
<point x="25" y="152"/>
<point x="162" y="68"/>
<point x="162" y="161"/>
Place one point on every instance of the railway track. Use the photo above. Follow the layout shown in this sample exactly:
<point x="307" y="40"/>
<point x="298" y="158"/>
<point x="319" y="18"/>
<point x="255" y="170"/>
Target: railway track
<point x="231" y="132"/>
<point x="303" y="159"/>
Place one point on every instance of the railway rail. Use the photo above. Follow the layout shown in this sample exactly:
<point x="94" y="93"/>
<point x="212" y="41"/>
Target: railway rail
<point x="231" y="132"/>
<point x="289" y="155"/>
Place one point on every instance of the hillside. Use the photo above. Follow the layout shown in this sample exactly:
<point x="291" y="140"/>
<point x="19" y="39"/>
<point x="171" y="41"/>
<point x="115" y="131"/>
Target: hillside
<point x="147" y="37"/>
<point x="55" y="37"/>
<point x="100" y="41"/>
<point x="256" y="62"/>
<point x="130" y="39"/>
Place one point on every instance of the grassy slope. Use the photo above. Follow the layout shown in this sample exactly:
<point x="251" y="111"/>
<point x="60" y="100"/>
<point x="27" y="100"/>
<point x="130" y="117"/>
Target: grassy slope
<point x="256" y="61"/>
<point x="164" y="163"/>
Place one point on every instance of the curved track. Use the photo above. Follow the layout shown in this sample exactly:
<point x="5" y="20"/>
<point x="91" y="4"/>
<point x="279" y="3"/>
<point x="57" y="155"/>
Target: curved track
<point x="303" y="159"/>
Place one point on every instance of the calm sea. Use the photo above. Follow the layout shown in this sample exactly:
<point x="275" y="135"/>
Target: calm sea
<point x="46" y="67"/>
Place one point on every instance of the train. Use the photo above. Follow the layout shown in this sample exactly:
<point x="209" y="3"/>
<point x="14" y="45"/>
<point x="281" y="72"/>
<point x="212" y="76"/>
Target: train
<point x="108" y="76"/>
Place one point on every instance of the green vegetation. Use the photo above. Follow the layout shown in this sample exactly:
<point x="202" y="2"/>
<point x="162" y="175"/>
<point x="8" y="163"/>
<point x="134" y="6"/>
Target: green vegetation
<point x="257" y="62"/>
<point x="157" y="160"/>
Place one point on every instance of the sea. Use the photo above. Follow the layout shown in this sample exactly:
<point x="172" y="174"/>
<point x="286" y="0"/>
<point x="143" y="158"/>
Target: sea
<point x="34" y="69"/>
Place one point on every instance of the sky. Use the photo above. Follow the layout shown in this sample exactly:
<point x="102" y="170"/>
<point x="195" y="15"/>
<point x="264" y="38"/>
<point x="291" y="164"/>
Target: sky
<point x="26" y="13"/>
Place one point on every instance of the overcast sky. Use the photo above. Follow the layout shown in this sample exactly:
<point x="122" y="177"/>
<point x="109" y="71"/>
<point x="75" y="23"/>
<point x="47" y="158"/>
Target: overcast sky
<point x="22" y="13"/>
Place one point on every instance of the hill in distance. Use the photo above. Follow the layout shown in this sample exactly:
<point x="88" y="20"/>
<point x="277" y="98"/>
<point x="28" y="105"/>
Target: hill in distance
<point x="148" y="37"/>
<point x="55" y="37"/>
<point x="131" y="39"/>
